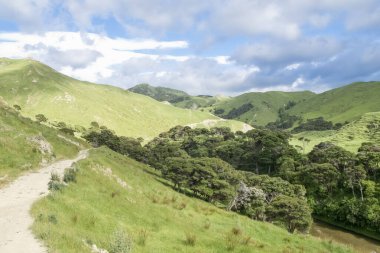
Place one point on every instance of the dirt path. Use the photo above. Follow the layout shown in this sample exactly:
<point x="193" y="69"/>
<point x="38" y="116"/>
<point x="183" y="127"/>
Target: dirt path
<point x="15" y="202"/>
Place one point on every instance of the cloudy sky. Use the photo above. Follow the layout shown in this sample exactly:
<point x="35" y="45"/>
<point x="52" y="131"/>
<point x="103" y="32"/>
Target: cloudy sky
<point x="202" y="47"/>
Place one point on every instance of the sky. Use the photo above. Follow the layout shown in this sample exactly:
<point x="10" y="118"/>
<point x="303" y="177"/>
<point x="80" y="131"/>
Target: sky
<point x="202" y="47"/>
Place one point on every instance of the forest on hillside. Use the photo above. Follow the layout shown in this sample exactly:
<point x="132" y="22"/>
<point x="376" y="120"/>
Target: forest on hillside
<point x="259" y="174"/>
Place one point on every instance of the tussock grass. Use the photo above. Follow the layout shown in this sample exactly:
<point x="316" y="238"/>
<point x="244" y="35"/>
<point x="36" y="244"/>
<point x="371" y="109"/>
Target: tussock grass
<point x="85" y="211"/>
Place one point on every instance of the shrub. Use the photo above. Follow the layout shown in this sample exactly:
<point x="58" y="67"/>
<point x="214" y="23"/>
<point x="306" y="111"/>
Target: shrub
<point x="232" y="241"/>
<point x="114" y="194"/>
<point x="70" y="175"/>
<point x="236" y="231"/>
<point x="207" y="224"/>
<point x="55" y="183"/>
<point x="17" y="107"/>
<point x="181" y="205"/>
<point x="190" y="239"/>
<point x="142" y="236"/>
<point x="41" y="118"/>
<point x="120" y="242"/>
<point x="246" y="240"/>
<point x="52" y="219"/>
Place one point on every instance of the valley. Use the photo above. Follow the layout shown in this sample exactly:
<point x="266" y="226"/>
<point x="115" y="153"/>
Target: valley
<point x="176" y="177"/>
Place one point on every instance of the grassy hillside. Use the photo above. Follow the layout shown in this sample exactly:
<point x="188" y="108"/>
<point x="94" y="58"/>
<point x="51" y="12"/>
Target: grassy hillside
<point x="175" y="97"/>
<point x="159" y="93"/>
<point x="24" y="144"/>
<point x="39" y="89"/>
<point x="115" y="193"/>
<point x="233" y="124"/>
<point x="342" y="104"/>
<point x="350" y="136"/>
<point x="265" y="105"/>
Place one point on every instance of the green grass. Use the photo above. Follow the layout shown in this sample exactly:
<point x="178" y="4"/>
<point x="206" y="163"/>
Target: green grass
<point x="232" y="124"/>
<point x="39" y="89"/>
<point x="350" y="136"/>
<point x="18" y="154"/>
<point x="177" y="98"/>
<point x="154" y="216"/>
<point x="265" y="105"/>
<point x="347" y="103"/>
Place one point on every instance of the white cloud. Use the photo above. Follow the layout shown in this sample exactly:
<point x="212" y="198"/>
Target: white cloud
<point x="86" y="57"/>
<point x="279" y="53"/>
<point x="97" y="58"/>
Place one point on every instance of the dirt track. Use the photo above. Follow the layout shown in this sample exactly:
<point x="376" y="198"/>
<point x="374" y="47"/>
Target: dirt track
<point x="15" y="202"/>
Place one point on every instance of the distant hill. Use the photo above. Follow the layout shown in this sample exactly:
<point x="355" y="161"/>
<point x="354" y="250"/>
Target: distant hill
<point x="339" y="105"/>
<point x="346" y="103"/>
<point x="38" y="89"/>
<point x="175" y="97"/>
<point x="350" y="136"/>
<point x="258" y="108"/>
<point x="159" y="93"/>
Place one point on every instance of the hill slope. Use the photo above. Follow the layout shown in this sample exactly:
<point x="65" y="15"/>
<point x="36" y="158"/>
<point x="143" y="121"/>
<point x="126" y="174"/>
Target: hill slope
<point x="175" y="97"/>
<point x="39" y="89"/>
<point x="24" y="144"/>
<point x="263" y="107"/>
<point x="159" y="93"/>
<point x="346" y="103"/>
<point x="114" y="193"/>
<point x="350" y="136"/>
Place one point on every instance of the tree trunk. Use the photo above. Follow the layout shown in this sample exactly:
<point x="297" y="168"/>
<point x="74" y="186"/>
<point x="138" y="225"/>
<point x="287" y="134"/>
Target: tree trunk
<point x="361" y="191"/>
<point x="353" y="191"/>
<point x="257" y="169"/>
<point x="268" y="170"/>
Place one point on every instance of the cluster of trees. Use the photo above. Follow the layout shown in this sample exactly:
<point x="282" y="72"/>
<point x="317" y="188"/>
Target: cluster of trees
<point x="261" y="175"/>
<point x="317" y="124"/>
<point x="285" y="120"/>
<point x="204" y="162"/>
<point x="234" y="112"/>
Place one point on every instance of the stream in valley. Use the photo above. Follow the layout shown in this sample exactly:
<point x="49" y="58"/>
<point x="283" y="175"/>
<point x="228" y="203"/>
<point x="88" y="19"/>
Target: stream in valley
<point x="359" y="243"/>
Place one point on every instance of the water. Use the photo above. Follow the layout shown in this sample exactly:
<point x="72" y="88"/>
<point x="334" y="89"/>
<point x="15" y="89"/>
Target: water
<point x="359" y="243"/>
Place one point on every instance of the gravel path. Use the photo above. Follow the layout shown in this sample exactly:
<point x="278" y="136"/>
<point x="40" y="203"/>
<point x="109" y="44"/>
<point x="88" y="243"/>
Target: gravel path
<point x="16" y="201"/>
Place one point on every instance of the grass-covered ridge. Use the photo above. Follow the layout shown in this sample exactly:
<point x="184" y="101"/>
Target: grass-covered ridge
<point x="263" y="107"/>
<point x="24" y="144"/>
<point x="38" y="89"/>
<point x="114" y="193"/>
<point x="346" y="103"/>
<point x="176" y="97"/>
<point x="350" y="136"/>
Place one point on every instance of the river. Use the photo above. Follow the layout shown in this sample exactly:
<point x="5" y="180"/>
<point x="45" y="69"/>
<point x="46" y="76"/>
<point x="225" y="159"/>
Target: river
<point x="359" y="243"/>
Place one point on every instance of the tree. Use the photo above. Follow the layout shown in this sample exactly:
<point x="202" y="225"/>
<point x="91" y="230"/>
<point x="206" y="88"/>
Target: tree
<point x="326" y="152"/>
<point x="321" y="179"/>
<point x="294" y="213"/>
<point x="353" y="177"/>
<point x="94" y="124"/>
<point x="17" y="107"/>
<point x="41" y="118"/>
<point x="209" y="178"/>
<point x="369" y="156"/>
<point x="305" y="141"/>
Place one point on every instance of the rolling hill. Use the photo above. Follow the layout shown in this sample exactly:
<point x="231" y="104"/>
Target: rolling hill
<point x="118" y="202"/>
<point x="38" y="89"/>
<point x="350" y="136"/>
<point x="342" y="104"/>
<point x="257" y="108"/>
<point x="25" y="144"/>
<point x="176" y="97"/>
